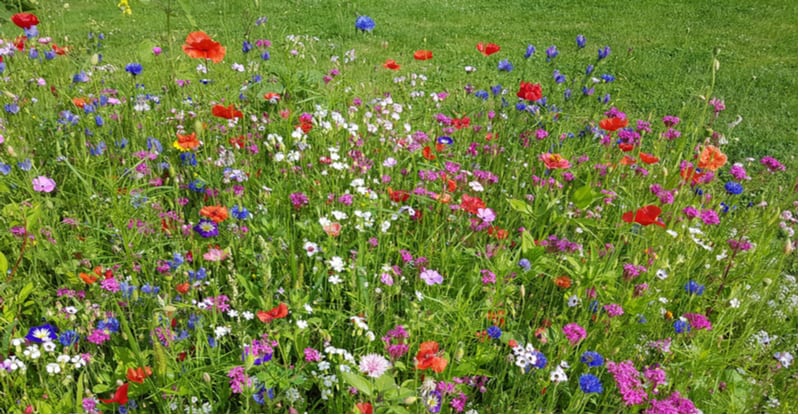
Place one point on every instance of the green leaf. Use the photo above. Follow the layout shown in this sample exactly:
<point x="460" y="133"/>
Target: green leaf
<point x="3" y="265"/>
<point x="24" y="293"/>
<point x="520" y="206"/>
<point x="358" y="382"/>
<point x="187" y="13"/>
<point x="583" y="196"/>
<point x="385" y="383"/>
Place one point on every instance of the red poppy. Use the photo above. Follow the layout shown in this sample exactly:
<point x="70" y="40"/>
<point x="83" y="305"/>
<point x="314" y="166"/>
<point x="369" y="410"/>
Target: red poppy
<point x="229" y="112"/>
<point x="398" y="196"/>
<point x="628" y="161"/>
<point x="423" y="55"/>
<point x="429" y="357"/>
<point x="183" y="288"/>
<point x="281" y="311"/>
<point x="647" y="215"/>
<point x="59" y="50"/>
<point x="471" y="204"/>
<point x="89" y="279"/>
<point x="563" y="281"/>
<point x="488" y="48"/>
<point x="333" y="229"/>
<point x="529" y="92"/>
<point x="199" y="45"/>
<point x="139" y="374"/>
<point x="428" y="154"/>
<point x="216" y="213"/>
<point x="391" y="64"/>
<point x="626" y="147"/>
<point x="613" y="123"/>
<point x="120" y="396"/>
<point x="459" y="123"/>
<point x="25" y="20"/>
<point x="364" y="407"/>
<point x="272" y="97"/>
<point x="186" y="142"/>
<point x="648" y="158"/>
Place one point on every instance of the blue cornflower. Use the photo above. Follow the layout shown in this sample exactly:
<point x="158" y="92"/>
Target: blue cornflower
<point x="206" y="228"/>
<point x="592" y="359"/>
<point x="246" y="46"/>
<point x="529" y="51"/>
<point x="541" y="361"/>
<point x="520" y="106"/>
<point x="5" y="169"/>
<point x="33" y="54"/>
<point x="49" y="55"/>
<point x="567" y="94"/>
<point x="590" y="383"/>
<point x="734" y="188"/>
<point x="134" y="68"/>
<point x="505" y="65"/>
<point x="12" y="108"/>
<point x="68" y="338"/>
<point x="265" y="55"/>
<point x="594" y="306"/>
<point x="98" y="120"/>
<point x="365" y="23"/>
<point x="587" y="91"/>
<point x="525" y="264"/>
<point x="32" y="31"/>
<point x="240" y="212"/>
<point x="25" y="165"/>
<point x="580" y="40"/>
<point x="444" y="140"/>
<point x="192" y="321"/>
<point x="559" y="77"/>
<point x="693" y="288"/>
<point x="197" y="186"/>
<point x="605" y="99"/>
<point x="681" y="326"/>
<point x="589" y="69"/>
<point x="150" y="289"/>
<point x="188" y="159"/>
<point x="110" y="324"/>
<point x="496" y="89"/>
<point x="212" y="341"/>
<point x="154" y="145"/>
<point x="482" y="94"/>
<point x="607" y="78"/>
<point x="81" y="77"/>
<point x="603" y="53"/>
<point x="494" y="332"/>
<point x="2" y="67"/>
<point x="552" y="52"/>
<point x="97" y="150"/>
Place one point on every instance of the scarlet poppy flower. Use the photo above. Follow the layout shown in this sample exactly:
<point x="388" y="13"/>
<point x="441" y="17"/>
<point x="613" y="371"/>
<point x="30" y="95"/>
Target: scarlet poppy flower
<point x="529" y="92"/>
<point x="554" y="161"/>
<point x="423" y="55"/>
<point x="459" y="123"/>
<point x="499" y="233"/>
<point x="89" y="279"/>
<point x="215" y="213"/>
<point x="120" y="396"/>
<point x="647" y="215"/>
<point x="391" y="64"/>
<point x="563" y="281"/>
<point x="186" y="142"/>
<point x="59" y="50"/>
<point x="626" y="147"/>
<point x="628" y="161"/>
<point x="183" y="288"/>
<point x="364" y="407"/>
<point x="428" y="154"/>
<point x="428" y="357"/>
<point x="613" y="123"/>
<point x="471" y="204"/>
<point x="711" y="158"/>
<point x="512" y="343"/>
<point x="230" y="112"/>
<point x="691" y="174"/>
<point x="139" y="374"/>
<point x="281" y="311"/>
<point x="648" y="158"/>
<point x="199" y="45"/>
<point x="398" y="196"/>
<point x="25" y="20"/>
<point x="272" y="97"/>
<point x="488" y="48"/>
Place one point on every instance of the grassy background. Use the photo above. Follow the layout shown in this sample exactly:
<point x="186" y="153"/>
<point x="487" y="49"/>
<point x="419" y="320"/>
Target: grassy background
<point x="667" y="45"/>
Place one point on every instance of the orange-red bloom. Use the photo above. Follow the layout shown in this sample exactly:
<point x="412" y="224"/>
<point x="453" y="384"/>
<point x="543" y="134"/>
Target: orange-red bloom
<point x="554" y="161"/>
<point x="423" y="55"/>
<point x="364" y="407"/>
<point x="391" y="64"/>
<point x="229" y="112"/>
<point x="199" y="45"/>
<point x="186" y="142"/>
<point x="398" y="196"/>
<point x="648" y="158"/>
<point x="89" y="279"/>
<point x="428" y="154"/>
<point x="272" y="97"/>
<point x="711" y="158"/>
<point x="139" y="374"/>
<point x="613" y="123"/>
<point x="120" y="396"/>
<point x="183" y="287"/>
<point x="471" y="204"/>
<point x="647" y="215"/>
<point x="25" y="20"/>
<point x="563" y="281"/>
<point x="215" y="213"/>
<point x="59" y="50"/>
<point x="428" y="357"/>
<point x="488" y="48"/>
<point x="281" y="311"/>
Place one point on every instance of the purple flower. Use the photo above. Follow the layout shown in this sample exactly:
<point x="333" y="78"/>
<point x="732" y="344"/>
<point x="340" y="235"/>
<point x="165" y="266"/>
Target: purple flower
<point x="551" y="52"/>
<point x="298" y="200"/>
<point x="772" y="164"/>
<point x="709" y="217"/>
<point x="529" y="51"/>
<point x="206" y="228"/>
<point x="505" y="65"/>
<point x="675" y="404"/>
<point x="580" y="40"/>
<point x="40" y="334"/>
<point x="574" y="332"/>
<point x="613" y="310"/>
<point x="431" y="277"/>
<point x="603" y="53"/>
<point x="718" y="104"/>
<point x="698" y="321"/>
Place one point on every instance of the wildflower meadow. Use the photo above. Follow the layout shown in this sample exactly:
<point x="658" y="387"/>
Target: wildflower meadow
<point x="241" y="207"/>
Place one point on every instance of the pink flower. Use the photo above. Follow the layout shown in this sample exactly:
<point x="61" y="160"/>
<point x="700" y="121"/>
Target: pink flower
<point x="554" y="161"/>
<point x="574" y="332"/>
<point x="373" y="365"/>
<point x="215" y="255"/>
<point x="698" y="321"/>
<point x="44" y="184"/>
<point x="431" y="277"/>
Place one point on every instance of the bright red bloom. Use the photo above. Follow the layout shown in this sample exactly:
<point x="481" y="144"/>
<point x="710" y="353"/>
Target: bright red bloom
<point x="613" y="124"/>
<point x="364" y="407"/>
<point x="628" y="161"/>
<point x="398" y="196"/>
<point x="59" y="50"/>
<point x="626" y="147"/>
<point x="120" y="396"/>
<point x="529" y="92"/>
<point x="428" y="153"/>
<point x="647" y="215"/>
<point x="488" y="48"/>
<point x="428" y="357"/>
<point x="25" y="20"/>
<point x="230" y="112"/>
<point x="216" y="213"/>
<point x="471" y="204"/>
<point x="423" y="55"/>
<point x="554" y="161"/>
<point x="139" y="374"/>
<point x="199" y="45"/>
<point x="391" y="64"/>
<point x="648" y="158"/>
<point x="281" y="311"/>
<point x="183" y="288"/>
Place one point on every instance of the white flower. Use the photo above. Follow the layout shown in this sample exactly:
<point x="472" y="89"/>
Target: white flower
<point x="308" y="308"/>
<point x="221" y="331"/>
<point x="335" y="279"/>
<point x="248" y="315"/>
<point x="573" y="301"/>
<point x="64" y="358"/>
<point x="238" y="67"/>
<point x="233" y="313"/>
<point x="311" y="248"/>
<point x="661" y="274"/>
<point x="476" y="186"/>
<point x="19" y="341"/>
<point x="734" y="303"/>
<point x="49" y="346"/>
<point x="32" y="352"/>
<point x="338" y="215"/>
<point x="558" y="375"/>
<point x="302" y="324"/>
<point x="53" y="368"/>
<point x="337" y="263"/>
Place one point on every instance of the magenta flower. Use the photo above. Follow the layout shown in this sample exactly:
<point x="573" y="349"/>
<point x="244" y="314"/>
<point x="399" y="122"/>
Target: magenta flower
<point x="613" y="310"/>
<point x="698" y="321"/>
<point x="431" y="277"/>
<point x="574" y="332"/>
<point x="44" y="184"/>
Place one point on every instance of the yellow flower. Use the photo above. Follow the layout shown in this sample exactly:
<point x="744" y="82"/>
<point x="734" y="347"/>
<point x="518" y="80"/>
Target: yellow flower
<point x="125" y="7"/>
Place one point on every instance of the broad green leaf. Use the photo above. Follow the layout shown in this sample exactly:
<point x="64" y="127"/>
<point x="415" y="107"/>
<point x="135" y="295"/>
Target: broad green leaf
<point x="3" y="265"/>
<point x="358" y="382"/>
<point x="520" y="206"/>
<point x="583" y="196"/>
